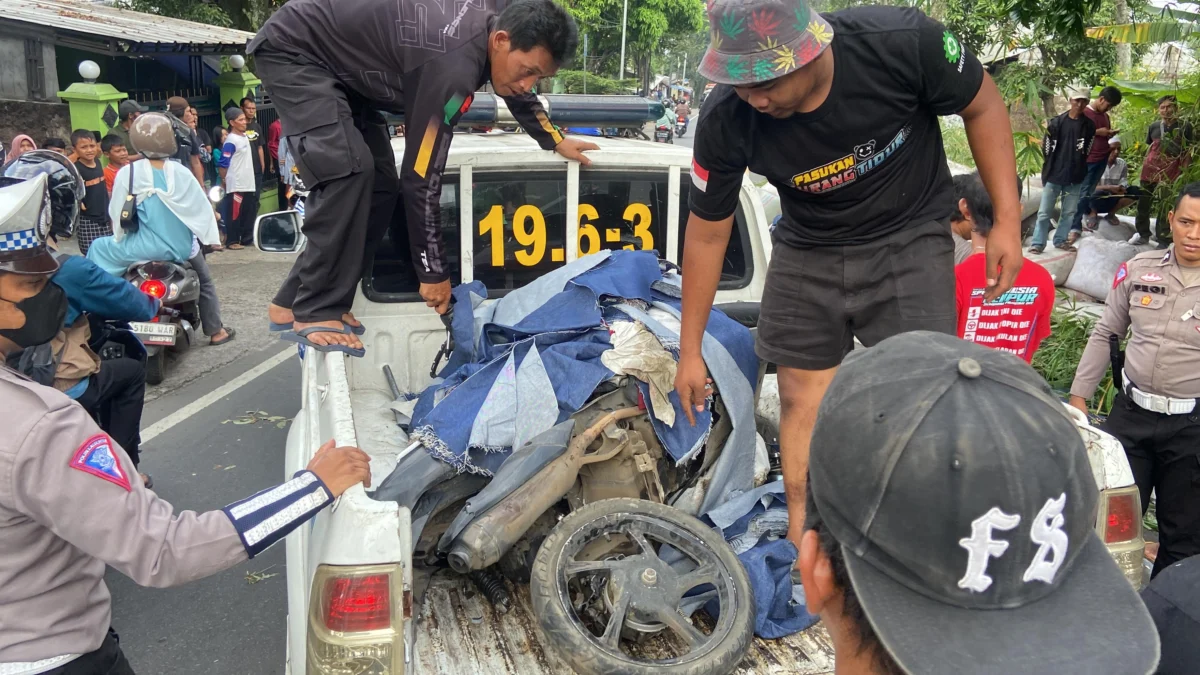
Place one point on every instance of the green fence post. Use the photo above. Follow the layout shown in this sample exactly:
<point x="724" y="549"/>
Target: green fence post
<point x="93" y="104"/>
<point x="236" y="84"/>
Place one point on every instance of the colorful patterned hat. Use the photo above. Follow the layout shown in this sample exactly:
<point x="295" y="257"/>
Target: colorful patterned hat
<point x="756" y="41"/>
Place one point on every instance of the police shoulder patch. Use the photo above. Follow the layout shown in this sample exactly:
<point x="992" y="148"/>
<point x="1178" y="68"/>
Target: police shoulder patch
<point x="1122" y="273"/>
<point x="96" y="456"/>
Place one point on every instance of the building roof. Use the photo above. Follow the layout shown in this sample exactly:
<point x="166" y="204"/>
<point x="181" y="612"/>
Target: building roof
<point x="99" y="27"/>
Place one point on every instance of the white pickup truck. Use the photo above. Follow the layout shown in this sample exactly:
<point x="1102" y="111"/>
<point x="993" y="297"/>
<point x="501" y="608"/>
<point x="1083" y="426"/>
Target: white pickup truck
<point x="354" y="603"/>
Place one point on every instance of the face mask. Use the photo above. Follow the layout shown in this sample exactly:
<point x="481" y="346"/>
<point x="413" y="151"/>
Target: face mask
<point x="44" y="314"/>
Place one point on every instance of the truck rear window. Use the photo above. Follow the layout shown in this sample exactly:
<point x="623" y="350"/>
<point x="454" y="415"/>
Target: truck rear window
<point x="520" y="229"/>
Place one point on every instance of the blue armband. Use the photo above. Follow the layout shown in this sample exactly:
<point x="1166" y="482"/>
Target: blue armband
<point x="267" y="517"/>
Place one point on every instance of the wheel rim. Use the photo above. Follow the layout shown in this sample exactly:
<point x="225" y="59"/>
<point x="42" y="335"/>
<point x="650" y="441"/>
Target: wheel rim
<point x="641" y="592"/>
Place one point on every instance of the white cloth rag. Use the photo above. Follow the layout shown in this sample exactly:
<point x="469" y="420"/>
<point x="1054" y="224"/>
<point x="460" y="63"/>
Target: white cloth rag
<point x="636" y="352"/>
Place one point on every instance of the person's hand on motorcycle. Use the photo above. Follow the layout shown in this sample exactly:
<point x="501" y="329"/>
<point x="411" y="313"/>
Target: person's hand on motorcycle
<point x="573" y="148"/>
<point x="339" y="468"/>
<point x="437" y="296"/>
<point x="693" y="385"/>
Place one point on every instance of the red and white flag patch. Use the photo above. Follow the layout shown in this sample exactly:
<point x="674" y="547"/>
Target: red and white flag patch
<point x="1122" y="272"/>
<point x="97" y="457"/>
<point x="699" y="176"/>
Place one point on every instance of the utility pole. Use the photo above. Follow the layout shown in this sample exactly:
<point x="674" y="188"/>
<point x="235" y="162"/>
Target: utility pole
<point x="585" y="62"/>
<point x="684" y="78"/>
<point x="624" y="25"/>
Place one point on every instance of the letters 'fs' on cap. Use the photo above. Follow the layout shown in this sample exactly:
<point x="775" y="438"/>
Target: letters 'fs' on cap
<point x="960" y="492"/>
<point x="24" y="219"/>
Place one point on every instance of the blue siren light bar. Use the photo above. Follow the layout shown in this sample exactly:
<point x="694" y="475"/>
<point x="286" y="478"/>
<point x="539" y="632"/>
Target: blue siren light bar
<point x="565" y="110"/>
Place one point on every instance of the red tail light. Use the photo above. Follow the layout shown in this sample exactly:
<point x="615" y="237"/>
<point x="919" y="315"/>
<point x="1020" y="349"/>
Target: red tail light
<point x="154" y="288"/>
<point x="1121" y="523"/>
<point x="358" y="603"/>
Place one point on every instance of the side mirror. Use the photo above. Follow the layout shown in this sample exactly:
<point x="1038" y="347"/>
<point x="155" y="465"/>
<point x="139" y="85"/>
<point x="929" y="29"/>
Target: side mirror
<point x="278" y="232"/>
<point x="216" y="193"/>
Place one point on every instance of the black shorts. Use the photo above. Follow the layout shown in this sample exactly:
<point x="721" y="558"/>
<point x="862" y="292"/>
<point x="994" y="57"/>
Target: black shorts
<point x="817" y="300"/>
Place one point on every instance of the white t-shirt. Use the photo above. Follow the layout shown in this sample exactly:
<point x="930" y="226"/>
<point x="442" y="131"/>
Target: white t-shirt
<point x="239" y="165"/>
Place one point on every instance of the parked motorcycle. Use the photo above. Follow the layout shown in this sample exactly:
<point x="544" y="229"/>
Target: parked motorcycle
<point x="177" y="287"/>
<point x="681" y="126"/>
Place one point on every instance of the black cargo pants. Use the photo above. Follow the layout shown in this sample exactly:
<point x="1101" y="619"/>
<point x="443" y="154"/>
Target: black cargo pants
<point x="1164" y="453"/>
<point x="343" y="153"/>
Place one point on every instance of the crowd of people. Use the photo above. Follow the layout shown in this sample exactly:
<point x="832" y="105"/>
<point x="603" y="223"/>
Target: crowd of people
<point x="939" y="494"/>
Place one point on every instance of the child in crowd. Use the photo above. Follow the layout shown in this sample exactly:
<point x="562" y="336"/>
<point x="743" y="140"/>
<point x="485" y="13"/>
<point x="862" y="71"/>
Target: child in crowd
<point x="113" y="147"/>
<point x="56" y="144"/>
<point x="93" y="218"/>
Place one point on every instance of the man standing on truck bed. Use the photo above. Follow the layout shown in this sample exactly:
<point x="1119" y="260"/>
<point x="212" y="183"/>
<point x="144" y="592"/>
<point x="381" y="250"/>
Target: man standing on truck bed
<point x="839" y="112"/>
<point x="331" y="66"/>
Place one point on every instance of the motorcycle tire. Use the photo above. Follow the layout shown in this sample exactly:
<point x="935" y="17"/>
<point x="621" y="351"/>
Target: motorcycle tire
<point x="156" y="368"/>
<point x="578" y="646"/>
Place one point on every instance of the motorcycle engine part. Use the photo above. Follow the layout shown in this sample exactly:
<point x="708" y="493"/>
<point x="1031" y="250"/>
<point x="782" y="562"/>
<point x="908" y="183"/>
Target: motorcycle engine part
<point x="153" y="136"/>
<point x="631" y="473"/>
<point x="592" y="608"/>
<point x="492" y="586"/>
<point x="489" y="536"/>
<point x="112" y="351"/>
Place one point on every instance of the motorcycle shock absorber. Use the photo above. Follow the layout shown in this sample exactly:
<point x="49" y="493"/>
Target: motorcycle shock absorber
<point x="492" y="586"/>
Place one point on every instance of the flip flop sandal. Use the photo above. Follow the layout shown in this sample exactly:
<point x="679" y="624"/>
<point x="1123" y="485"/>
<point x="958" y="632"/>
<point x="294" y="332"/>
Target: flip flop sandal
<point x="284" y="327"/>
<point x="301" y="337"/>
<point x="217" y="343"/>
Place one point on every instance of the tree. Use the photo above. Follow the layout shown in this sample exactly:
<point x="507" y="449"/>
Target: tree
<point x="246" y="15"/>
<point x="651" y="22"/>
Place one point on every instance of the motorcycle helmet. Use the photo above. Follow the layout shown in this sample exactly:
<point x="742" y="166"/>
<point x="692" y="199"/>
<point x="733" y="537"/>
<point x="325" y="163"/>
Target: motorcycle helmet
<point x="63" y="183"/>
<point x="153" y="136"/>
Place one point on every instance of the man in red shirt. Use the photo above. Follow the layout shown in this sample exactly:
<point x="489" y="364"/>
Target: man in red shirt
<point x="1018" y="320"/>
<point x="1101" y="155"/>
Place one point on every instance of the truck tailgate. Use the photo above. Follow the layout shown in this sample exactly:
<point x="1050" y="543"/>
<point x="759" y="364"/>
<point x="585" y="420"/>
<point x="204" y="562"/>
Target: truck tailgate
<point x="458" y="632"/>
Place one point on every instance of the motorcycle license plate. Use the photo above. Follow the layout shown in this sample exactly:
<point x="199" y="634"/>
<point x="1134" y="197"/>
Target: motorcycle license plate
<point x="660" y="134"/>
<point x="155" y="333"/>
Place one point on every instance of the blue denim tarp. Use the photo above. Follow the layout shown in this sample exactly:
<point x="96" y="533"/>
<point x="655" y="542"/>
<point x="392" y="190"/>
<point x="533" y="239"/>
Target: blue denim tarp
<point x="552" y="332"/>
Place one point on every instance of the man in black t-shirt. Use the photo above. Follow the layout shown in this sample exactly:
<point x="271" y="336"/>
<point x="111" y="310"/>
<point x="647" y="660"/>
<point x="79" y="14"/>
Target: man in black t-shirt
<point x="187" y="143"/>
<point x="839" y="112"/>
<point x="1065" y="149"/>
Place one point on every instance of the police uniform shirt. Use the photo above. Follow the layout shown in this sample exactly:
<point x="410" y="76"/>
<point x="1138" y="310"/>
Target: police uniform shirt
<point x="71" y="502"/>
<point x="1160" y="300"/>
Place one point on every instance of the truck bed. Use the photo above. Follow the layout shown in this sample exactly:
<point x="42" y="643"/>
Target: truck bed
<point x="459" y="632"/>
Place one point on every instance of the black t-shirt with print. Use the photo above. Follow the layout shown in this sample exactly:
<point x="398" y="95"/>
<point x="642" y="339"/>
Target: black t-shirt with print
<point x="258" y="139"/>
<point x="1065" y="148"/>
<point x="95" y="199"/>
<point x="869" y="160"/>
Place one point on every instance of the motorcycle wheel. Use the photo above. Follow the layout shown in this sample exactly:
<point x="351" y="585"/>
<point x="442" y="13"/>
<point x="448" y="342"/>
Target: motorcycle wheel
<point x="156" y="367"/>
<point x="606" y="548"/>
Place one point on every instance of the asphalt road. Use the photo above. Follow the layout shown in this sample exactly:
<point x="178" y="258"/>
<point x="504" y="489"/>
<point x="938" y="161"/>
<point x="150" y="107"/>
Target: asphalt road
<point x="231" y="623"/>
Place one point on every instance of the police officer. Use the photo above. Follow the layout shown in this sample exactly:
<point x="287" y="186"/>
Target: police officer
<point x="68" y="506"/>
<point x="1155" y="414"/>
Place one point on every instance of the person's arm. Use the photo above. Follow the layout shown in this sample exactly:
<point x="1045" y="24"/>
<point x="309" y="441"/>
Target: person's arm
<point x="718" y="166"/>
<point x="71" y="478"/>
<point x="92" y="290"/>
<point x="273" y="139"/>
<point x="529" y="112"/>
<point x="949" y="86"/>
<point x="1089" y="138"/>
<point x="223" y="164"/>
<point x="1095" y="359"/>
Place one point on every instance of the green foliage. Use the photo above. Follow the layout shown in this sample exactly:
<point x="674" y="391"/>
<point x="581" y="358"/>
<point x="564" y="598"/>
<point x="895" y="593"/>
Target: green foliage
<point x="954" y="138"/>
<point x="572" y="82"/>
<point x="1058" y="356"/>
<point x="652" y="25"/>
